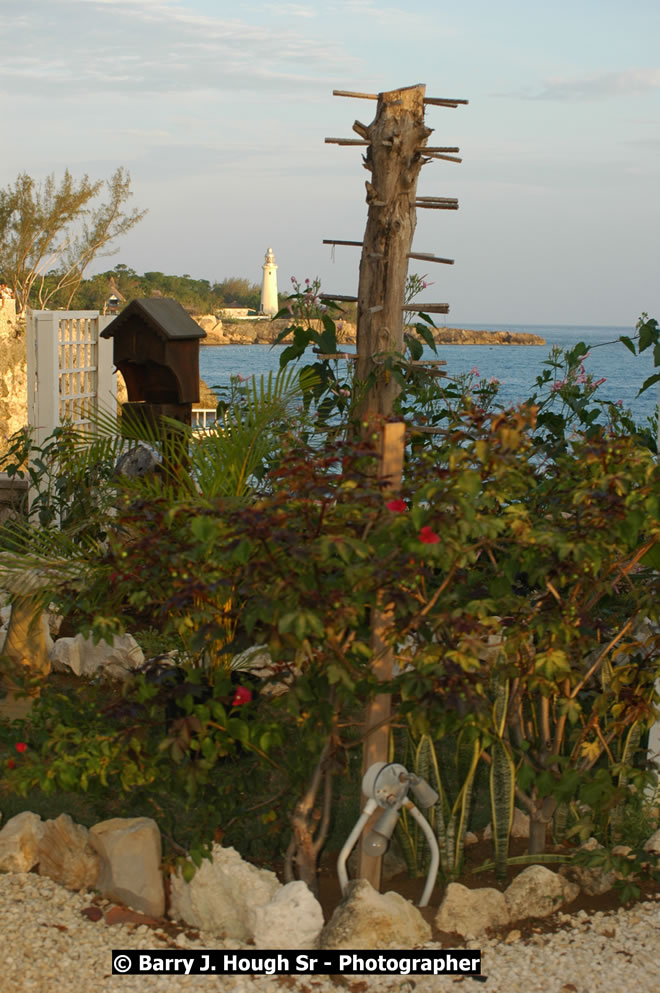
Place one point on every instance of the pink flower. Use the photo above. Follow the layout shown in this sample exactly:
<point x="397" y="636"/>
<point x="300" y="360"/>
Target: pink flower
<point x="21" y="746"/>
<point x="474" y="371"/>
<point x="293" y="279"/>
<point x="397" y="506"/>
<point x="307" y="281"/>
<point x="241" y="696"/>
<point x="599" y="382"/>
<point x="618" y="403"/>
<point x="427" y="536"/>
<point x="557" y="385"/>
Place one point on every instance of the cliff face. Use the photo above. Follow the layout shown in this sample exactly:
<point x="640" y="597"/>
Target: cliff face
<point x="262" y="332"/>
<point x="462" y="336"/>
<point x="13" y="370"/>
<point x="265" y="333"/>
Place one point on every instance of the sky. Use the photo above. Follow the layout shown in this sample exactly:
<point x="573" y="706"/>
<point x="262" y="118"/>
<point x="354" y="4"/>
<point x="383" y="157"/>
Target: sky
<point x="219" y="111"/>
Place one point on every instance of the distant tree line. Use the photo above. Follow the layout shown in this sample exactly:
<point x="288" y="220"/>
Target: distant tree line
<point x="198" y="296"/>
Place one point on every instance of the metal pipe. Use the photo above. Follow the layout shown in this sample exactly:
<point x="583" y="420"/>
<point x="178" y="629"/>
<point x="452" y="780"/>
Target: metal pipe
<point x="435" y="852"/>
<point x="349" y="844"/>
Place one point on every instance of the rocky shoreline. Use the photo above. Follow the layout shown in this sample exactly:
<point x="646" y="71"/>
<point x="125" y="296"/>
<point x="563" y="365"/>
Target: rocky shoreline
<point x="264" y="332"/>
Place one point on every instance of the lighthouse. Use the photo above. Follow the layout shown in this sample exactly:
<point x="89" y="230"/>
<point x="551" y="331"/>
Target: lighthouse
<point x="269" y="286"/>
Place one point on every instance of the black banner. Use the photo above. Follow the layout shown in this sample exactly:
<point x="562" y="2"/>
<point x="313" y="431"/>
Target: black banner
<point x="430" y="962"/>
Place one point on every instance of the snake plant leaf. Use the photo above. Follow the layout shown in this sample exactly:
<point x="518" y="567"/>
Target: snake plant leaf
<point x="502" y="789"/>
<point x="630" y="747"/>
<point x="541" y="859"/>
<point x="468" y="751"/>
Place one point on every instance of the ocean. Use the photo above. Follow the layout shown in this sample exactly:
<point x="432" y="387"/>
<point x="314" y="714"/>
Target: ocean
<point x="516" y="366"/>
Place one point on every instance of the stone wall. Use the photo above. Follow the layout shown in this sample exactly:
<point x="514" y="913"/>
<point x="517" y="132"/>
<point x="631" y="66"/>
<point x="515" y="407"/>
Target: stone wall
<point x="7" y="313"/>
<point x="13" y="386"/>
<point x="13" y="497"/>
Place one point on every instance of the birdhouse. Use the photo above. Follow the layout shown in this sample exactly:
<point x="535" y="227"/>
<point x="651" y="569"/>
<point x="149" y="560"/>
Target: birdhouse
<point x="156" y="349"/>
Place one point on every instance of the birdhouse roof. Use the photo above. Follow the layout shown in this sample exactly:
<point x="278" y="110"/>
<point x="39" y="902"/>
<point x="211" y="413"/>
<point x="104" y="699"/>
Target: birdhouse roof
<point x="166" y="317"/>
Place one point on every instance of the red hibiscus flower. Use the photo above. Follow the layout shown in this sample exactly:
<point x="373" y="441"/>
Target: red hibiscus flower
<point x="11" y="764"/>
<point x="21" y="746"/>
<point x="397" y="506"/>
<point x="241" y="696"/>
<point x="427" y="536"/>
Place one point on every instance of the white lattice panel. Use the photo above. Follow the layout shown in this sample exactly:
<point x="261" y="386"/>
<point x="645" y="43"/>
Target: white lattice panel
<point x="70" y="372"/>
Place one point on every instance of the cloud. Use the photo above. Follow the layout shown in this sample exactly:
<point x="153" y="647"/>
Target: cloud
<point x="161" y="46"/>
<point x="598" y="86"/>
<point x="290" y="10"/>
<point x="380" y="15"/>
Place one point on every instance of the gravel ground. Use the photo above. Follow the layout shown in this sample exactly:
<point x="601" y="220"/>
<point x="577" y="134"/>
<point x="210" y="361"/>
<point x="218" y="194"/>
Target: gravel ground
<point x="49" y="946"/>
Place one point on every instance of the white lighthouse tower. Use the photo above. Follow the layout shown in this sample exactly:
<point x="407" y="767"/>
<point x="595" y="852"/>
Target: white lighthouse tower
<point x="269" y="285"/>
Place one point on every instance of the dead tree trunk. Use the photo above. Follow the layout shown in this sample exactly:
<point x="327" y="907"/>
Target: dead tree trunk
<point x="394" y="158"/>
<point x="25" y="646"/>
<point x="396" y="151"/>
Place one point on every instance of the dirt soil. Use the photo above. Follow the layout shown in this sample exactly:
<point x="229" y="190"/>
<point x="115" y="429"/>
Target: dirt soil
<point x="477" y="855"/>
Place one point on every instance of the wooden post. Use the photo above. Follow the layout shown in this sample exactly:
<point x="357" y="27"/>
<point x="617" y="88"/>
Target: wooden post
<point x="43" y="392"/>
<point x="394" y="159"/>
<point x="387" y="241"/>
<point x="376" y="721"/>
<point x="396" y="152"/>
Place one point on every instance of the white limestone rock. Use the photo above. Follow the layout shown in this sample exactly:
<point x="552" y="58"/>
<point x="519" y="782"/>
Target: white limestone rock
<point x="653" y="843"/>
<point x="137" y="462"/>
<point x="65" y="854"/>
<point x="19" y="842"/>
<point x="538" y="892"/>
<point x="130" y="855"/>
<point x="54" y="622"/>
<point x="470" y="912"/>
<point x="366" y="919"/>
<point x="223" y="895"/>
<point x="293" y="918"/>
<point x="519" y="827"/>
<point x="81" y="656"/>
<point x="593" y="880"/>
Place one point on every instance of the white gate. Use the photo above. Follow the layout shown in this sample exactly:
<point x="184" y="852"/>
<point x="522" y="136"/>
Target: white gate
<point x="69" y="369"/>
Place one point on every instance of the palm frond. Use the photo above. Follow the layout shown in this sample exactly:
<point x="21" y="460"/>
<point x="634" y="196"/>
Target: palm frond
<point x="226" y="460"/>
